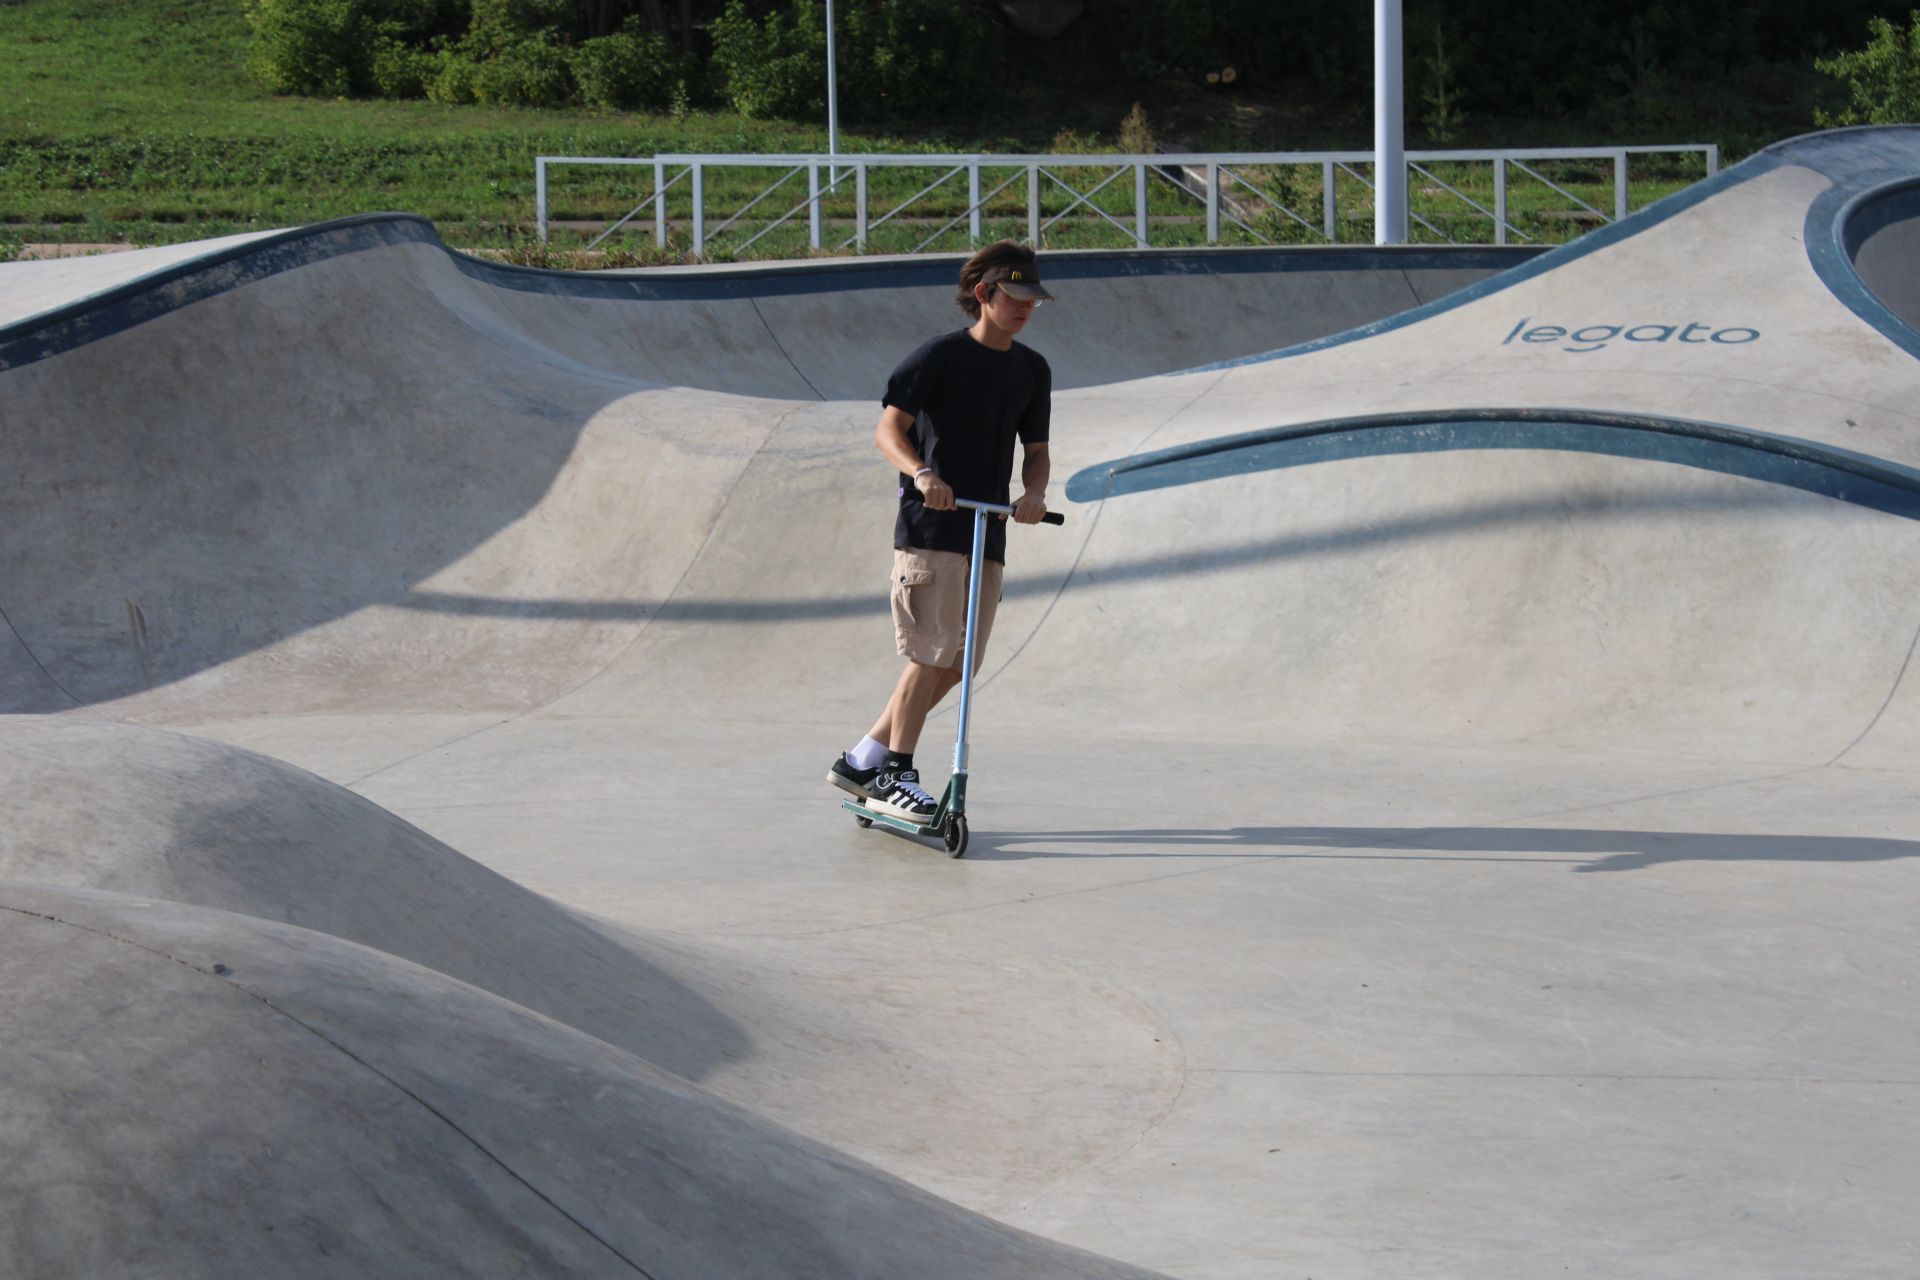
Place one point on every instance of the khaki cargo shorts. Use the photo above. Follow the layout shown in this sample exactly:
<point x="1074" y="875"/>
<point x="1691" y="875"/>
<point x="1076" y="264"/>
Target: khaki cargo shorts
<point x="930" y="606"/>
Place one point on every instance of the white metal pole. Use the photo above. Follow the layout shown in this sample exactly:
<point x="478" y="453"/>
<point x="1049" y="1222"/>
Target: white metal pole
<point x="660" y="205"/>
<point x="1033" y="205"/>
<point x="833" y="107"/>
<point x="699" y="208"/>
<point x="1389" y="132"/>
<point x="973" y="201"/>
<point x="860" y="201"/>
<point x="813" y="205"/>
<point x="1329" y="203"/>
<point x="1499" y="199"/>
<point x="540" y="194"/>
<point x="1140" y="204"/>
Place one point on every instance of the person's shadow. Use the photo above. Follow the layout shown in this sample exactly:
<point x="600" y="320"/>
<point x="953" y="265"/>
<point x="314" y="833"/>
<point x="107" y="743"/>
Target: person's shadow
<point x="1601" y="850"/>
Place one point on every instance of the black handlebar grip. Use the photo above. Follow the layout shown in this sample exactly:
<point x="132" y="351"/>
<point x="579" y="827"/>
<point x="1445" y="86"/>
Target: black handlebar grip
<point x="1053" y="517"/>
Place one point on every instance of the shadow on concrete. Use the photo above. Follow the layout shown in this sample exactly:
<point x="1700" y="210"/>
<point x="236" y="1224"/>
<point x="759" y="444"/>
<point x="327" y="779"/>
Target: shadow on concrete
<point x="1603" y="850"/>
<point x="1354" y="540"/>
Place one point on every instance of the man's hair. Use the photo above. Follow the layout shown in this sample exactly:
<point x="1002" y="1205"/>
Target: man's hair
<point x="1006" y="253"/>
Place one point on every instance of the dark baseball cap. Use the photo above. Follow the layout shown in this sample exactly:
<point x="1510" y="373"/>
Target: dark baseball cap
<point x="1021" y="282"/>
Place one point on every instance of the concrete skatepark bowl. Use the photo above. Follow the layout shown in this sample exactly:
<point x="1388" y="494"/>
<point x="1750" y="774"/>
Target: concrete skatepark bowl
<point x="1444" y="805"/>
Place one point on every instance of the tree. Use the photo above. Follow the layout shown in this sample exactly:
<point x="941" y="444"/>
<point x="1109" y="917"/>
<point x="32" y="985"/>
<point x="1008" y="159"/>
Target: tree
<point x="1883" y="79"/>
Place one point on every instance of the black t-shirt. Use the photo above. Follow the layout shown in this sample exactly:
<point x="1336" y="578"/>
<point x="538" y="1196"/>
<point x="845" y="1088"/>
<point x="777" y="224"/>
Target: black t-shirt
<point x="969" y="404"/>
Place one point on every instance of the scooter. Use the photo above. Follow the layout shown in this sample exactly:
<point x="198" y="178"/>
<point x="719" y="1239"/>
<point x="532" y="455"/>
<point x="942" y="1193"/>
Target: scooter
<point x="948" y="825"/>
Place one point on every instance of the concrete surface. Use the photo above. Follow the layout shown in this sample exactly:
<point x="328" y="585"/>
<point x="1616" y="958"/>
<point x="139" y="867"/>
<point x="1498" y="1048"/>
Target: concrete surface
<point x="1445" y="809"/>
<point x="351" y="1113"/>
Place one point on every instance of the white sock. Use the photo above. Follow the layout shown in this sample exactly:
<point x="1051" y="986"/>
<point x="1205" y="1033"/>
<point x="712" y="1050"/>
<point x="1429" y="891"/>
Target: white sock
<point x="868" y="755"/>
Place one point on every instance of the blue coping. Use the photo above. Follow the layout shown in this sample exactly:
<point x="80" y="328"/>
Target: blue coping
<point x="148" y="297"/>
<point x="1834" y="254"/>
<point x="1710" y="446"/>
<point x="1876" y="210"/>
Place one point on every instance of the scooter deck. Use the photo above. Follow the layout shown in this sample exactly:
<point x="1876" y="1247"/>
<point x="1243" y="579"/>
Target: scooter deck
<point x="931" y="827"/>
<point x="946" y="829"/>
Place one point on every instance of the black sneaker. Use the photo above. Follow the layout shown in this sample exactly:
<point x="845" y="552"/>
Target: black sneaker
<point x="856" y="782"/>
<point x="899" y="795"/>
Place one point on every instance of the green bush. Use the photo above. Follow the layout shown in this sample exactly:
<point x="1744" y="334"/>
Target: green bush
<point x="1882" y="80"/>
<point x="531" y="72"/>
<point x="912" y="58"/>
<point x="401" y="70"/>
<point x="498" y="23"/>
<point x="328" y="47"/>
<point x="455" y="74"/>
<point x="631" y="68"/>
<point x="776" y="67"/>
<point x="308" y="46"/>
<point x="895" y="58"/>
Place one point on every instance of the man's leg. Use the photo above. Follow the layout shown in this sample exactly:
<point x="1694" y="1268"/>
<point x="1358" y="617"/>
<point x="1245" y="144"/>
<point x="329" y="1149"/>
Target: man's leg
<point x="929" y="611"/>
<point x="917" y="693"/>
<point x="897" y="788"/>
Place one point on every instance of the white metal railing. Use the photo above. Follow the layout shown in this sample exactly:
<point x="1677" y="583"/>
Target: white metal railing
<point x="1218" y="182"/>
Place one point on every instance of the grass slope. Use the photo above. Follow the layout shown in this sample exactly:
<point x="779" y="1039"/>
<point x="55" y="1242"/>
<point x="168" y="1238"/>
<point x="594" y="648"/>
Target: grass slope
<point x="136" y="120"/>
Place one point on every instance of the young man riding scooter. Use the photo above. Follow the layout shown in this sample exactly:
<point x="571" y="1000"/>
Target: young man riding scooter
<point x="949" y="420"/>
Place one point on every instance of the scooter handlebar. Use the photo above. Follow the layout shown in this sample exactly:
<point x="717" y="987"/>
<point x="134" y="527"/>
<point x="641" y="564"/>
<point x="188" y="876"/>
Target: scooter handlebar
<point x="1052" y="517"/>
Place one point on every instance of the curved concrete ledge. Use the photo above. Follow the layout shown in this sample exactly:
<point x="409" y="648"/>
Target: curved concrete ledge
<point x="1709" y="446"/>
<point x="36" y="286"/>
<point x="1879" y="237"/>
<point x="98" y="315"/>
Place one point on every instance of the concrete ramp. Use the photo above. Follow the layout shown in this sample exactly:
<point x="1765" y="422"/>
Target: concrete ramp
<point x="1642" y="416"/>
<point x="359" y="403"/>
<point x="1442" y="805"/>
<point x="180" y="819"/>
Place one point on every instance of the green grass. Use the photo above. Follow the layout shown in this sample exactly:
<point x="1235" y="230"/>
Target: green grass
<point x="135" y="121"/>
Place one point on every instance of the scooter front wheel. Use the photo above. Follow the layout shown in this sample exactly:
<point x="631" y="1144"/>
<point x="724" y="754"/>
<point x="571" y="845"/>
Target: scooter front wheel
<point x="955" y="836"/>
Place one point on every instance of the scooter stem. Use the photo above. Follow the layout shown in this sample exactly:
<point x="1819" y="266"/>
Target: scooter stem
<point x="973" y="617"/>
<point x="981" y="510"/>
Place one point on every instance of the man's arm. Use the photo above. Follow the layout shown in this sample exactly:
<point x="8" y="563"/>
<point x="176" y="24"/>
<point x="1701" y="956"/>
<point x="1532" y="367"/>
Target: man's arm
<point x="893" y="435"/>
<point x="1034" y="470"/>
